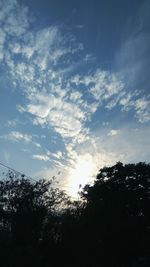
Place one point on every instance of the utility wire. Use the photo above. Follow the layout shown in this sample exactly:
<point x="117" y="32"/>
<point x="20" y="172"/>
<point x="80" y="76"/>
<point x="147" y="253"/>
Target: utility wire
<point x="21" y="173"/>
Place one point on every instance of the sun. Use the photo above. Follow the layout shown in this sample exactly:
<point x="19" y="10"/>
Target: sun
<point x="80" y="174"/>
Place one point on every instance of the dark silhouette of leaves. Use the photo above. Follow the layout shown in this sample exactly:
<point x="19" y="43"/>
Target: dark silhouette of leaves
<point x="40" y="226"/>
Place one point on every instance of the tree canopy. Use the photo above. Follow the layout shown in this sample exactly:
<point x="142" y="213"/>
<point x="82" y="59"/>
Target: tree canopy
<point x="110" y="226"/>
<point x="118" y="213"/>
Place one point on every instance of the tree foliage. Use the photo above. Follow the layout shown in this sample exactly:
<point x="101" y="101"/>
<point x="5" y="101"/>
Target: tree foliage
<point x="118" y="213"/>
<point x="110" y="226"/>
<point x="28" y="217"/>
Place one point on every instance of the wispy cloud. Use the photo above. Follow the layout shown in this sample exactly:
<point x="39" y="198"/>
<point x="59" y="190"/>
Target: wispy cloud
<point x="113" y="132"/>
<point x="43" y="66"/>
<point x="19" y="137"/>
<point x="41" y="157"/>
<point x="132" y="58"/>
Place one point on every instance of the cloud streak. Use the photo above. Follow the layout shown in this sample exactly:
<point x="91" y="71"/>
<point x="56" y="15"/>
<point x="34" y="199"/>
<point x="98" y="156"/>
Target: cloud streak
<point x="19" y="137"/>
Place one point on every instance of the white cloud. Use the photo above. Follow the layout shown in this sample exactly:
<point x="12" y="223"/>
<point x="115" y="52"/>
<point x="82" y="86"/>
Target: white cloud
<point x="40" y="51"/>
<point x="113" y="132"/>
<point x="76" y="95"/>
<point x="41" y="157"/>
<point x="16" y="136"/>
<point x="126" y="101"/>
<point x="105" y="85"/>
<point x="132" y="101"/>
<point x="58" y="155"/>
<point x="65" y="116"/>
<point x="14" y="17"/>
<point x="58" y="163"/>
<point x="37" y="144"/>
<point x="142" y="108"/>
<point x="102" y="84"/>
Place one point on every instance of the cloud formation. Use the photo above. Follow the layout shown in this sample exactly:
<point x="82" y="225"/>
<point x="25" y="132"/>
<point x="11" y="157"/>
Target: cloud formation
<point x="113" y="132"/>
<point x="41" y="157"/>
<point x="44" y="67"/>
<point x="19" y="137"/>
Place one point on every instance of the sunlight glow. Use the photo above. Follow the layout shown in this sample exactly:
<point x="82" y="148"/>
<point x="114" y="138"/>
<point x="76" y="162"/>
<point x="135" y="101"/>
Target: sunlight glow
<point x="81" y="174"/>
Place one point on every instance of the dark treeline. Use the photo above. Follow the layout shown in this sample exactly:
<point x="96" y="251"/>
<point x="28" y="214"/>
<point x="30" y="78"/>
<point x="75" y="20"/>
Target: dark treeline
<point x="110" y="226"/>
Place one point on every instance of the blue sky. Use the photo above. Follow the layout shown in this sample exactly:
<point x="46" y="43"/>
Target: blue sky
<point x="74" y="86"/>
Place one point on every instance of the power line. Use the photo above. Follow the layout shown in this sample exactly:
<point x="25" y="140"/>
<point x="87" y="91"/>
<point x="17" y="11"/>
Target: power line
<point x="21" y="173"/>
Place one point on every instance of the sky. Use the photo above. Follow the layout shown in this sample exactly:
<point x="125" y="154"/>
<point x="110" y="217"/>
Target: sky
<point x="74" y="87"/>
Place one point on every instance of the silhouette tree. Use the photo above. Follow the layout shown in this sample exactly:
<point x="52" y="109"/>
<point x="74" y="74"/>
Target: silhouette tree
<point x="117" y="216"/>
<point x="40" y="226"/>
<point x="28" y="211"/>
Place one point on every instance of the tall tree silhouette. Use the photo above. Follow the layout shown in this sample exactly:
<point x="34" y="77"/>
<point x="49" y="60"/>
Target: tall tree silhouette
<point x="117" y="215"/>
<point x="27" y="214"/>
